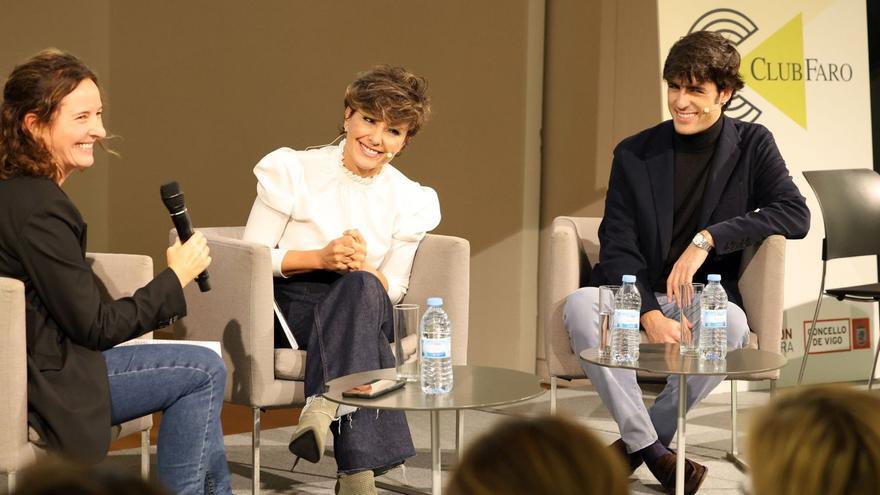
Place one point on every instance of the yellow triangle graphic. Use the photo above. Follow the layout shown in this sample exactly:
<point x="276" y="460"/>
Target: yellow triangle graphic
<point x="775" y="69"/>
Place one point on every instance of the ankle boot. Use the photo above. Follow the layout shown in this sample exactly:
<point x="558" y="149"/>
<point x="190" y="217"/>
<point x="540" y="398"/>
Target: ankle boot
<point x="362" y="483"/>
<point x="311" y="432"/>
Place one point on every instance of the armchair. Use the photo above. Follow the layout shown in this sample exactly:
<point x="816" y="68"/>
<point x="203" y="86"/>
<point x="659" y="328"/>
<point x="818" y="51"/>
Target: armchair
<point x="118" y="275"/>
<point x="574" y="247"/>
<point x="238" y="313"/>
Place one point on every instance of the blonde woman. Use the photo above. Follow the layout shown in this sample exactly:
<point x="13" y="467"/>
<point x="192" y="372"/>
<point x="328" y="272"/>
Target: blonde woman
<point x="822" y="440"/>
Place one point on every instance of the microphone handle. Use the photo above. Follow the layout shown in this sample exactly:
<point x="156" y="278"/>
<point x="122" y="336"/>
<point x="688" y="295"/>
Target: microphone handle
<point x="183" y="225"/>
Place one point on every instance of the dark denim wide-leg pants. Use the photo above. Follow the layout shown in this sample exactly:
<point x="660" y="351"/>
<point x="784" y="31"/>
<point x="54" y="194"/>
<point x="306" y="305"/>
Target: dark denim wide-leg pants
<point x="344" y="323"/>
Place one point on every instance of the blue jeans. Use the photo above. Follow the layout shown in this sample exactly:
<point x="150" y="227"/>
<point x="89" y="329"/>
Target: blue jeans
<point x="186" y="383"/>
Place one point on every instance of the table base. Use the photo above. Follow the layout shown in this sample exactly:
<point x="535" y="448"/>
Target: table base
<point x="436" y="453"/>
<point x="682" y="411"/>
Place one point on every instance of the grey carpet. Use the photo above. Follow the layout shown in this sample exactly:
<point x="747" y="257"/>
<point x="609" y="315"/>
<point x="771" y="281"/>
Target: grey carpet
<point x="708" y="439"/>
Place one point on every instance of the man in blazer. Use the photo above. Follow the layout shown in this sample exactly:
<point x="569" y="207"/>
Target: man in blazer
<point x="684" y="198"/>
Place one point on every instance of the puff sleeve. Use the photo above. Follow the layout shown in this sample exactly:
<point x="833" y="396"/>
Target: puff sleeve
<point x="419" y="213"/>
<point x="281" y="195"/>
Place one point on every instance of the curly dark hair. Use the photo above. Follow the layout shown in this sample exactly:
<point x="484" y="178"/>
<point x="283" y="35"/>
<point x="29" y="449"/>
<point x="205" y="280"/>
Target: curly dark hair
<point x="393" y="94"/>
<point x="704" y="56"/>
<point x="37" y="86"/>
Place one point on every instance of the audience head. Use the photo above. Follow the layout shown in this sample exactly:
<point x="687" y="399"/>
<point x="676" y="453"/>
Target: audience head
<point x="37" y="136"/>
<point x="543" y="455"/>
<point x="822" y="440"/>
<point x="57" y="477"/>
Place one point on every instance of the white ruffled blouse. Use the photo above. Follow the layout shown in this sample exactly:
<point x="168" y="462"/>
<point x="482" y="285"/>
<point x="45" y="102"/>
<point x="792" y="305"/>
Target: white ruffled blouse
<point x="305" y="199"/>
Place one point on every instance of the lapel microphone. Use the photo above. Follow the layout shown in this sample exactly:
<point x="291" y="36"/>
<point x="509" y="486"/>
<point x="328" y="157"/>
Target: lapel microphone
<point x="710" y="107"/>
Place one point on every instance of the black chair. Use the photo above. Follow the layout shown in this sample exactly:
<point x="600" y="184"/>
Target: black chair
<point x="850" y="203"/>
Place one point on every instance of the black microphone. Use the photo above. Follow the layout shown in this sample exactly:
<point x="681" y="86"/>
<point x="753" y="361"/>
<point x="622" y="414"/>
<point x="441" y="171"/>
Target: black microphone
<point x="172" y="196"/>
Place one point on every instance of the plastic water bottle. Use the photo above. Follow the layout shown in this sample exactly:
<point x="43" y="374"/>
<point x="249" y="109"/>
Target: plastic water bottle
<point x="625" y="324"/>
<point x="713" y="317"/>
<point x="435" y="332"/>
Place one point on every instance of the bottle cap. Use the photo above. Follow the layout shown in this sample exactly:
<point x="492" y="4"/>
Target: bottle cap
<point x="714" y="277"/>
<point x="629" y="279"/>
<point x="435" y="301"/>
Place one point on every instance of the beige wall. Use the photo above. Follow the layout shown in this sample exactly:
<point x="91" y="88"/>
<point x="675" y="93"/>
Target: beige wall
<point x="600" y="71"/>
<point x="200" y="90"/>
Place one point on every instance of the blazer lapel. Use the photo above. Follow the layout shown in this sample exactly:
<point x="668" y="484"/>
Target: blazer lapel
<point x="723" y="162"/>
<point x="660" y="165"/>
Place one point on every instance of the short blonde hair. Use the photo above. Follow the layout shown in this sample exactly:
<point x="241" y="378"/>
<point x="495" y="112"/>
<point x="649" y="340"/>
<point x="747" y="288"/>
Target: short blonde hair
<point x="391" y="94"/>
<point x="821" y="440"/>
<point x="544" y="455"/>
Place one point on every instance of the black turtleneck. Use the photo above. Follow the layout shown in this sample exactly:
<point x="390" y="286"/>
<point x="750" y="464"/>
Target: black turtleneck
<point x="693" y="153"/>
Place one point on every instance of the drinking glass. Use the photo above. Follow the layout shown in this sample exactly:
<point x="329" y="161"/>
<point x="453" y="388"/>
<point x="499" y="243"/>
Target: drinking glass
<point x="406" y="351"/>
<point x="689" y="322"/>
<point x="607" y="293"/>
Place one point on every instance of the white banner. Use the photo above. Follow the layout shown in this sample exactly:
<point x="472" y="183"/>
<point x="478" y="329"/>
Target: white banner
<point x="805" y="65"/>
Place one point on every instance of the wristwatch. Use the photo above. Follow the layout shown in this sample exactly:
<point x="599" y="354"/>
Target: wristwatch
<point x="701" y="242"/>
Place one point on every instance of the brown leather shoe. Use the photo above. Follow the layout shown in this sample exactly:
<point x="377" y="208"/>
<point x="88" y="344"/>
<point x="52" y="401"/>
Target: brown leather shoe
<point x="694" y="474"/>
<point x="633" y="461"/>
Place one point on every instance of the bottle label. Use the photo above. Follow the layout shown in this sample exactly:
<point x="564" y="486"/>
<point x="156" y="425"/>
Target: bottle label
<point x="437" y="348"/>
<point x="714" y="318"/>
<point x="626" y="319"/>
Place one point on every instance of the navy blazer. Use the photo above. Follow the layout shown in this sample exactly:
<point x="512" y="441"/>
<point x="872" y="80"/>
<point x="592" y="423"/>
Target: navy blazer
<point x="42" y="243"/>
<point x="749" y="195"/>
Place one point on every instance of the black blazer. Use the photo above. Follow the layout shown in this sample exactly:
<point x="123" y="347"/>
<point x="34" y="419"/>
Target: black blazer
<point x="42" y="243"/>
<point x="749" y="195"/>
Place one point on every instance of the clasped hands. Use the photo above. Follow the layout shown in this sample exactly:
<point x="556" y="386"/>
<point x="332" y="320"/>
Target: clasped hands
<point x="346" y="253"/>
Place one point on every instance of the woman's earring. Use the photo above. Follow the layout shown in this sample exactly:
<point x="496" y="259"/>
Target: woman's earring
<point x="345" y="127"/>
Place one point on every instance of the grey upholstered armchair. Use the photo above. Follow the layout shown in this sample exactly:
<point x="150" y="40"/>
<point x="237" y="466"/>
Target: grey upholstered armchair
<point x="238" y="313"/>
<point x="118" y="275"/>
<point x="572" y="251"/>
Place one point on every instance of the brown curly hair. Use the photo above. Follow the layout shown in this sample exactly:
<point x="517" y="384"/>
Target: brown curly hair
<point x="37" y="86"/>
<point x="704" y="56"/>
<point x="391" y="94"/>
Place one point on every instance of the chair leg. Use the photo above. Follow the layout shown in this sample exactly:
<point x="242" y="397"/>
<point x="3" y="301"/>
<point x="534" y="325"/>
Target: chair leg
<point x="145" y="454"/>
<point x="812" y="327"/>
<point x="733" y="454"/>
<point x="772" y="388"/>
<point x="733" y="425"/>
<point x="10" y="482"/>
<point x="459" y="433"/>
<point x="553" y="384"/>
<point x="255" y="452"/>
<point x="873" y="368"/>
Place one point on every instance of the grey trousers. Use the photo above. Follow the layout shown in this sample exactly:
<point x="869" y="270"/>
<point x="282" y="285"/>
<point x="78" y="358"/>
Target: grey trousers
<point x="640" y="426"/>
